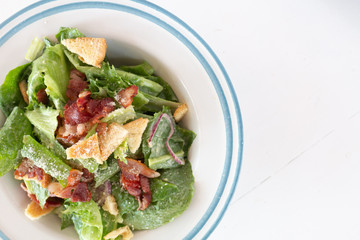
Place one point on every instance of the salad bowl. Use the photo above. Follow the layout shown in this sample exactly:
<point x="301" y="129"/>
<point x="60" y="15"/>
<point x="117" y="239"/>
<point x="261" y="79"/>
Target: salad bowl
<point x="139" y="31"/>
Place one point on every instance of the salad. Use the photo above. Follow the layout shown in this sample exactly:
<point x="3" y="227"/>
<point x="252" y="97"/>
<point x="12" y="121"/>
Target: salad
<point x="98" y="145"/>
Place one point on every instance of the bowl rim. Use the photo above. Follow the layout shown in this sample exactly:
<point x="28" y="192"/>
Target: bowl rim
<point x="81" y="4"/>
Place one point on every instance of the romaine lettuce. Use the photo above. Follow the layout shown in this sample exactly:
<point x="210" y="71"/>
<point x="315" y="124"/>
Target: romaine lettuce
<point x="86" y="218"/>
<point x="11" y="139"/>
<point x="168" y="203"/>
<point x="44" y="119"/>
<point x="10" y="95"/>
<point x="66" y="32"/>
<point x="49" y="71"/>
<point x="41" y="193"/>
<point x="45" y="159"/>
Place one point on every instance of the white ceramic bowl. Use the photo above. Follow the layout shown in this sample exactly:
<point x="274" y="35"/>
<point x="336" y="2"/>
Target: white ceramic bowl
<point x="135" y="31"/>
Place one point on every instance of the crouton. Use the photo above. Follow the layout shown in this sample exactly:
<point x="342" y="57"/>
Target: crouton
<point x="23" y="90"/>
<point x="91" y="51"/>
<point x="110" y="139"/>
<point x="180" y="112"/>
<point x="87" y="148"/>
<point x="136" y="129"/>
<point x="110" y="205"/>
<point x="124" y="231"/>
<point x="34" y="211"/>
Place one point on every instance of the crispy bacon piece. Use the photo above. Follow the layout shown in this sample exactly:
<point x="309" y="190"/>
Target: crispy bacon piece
<point x="69" y="135"/>
<point x="28" y="170"/>
<point x="76" y="189"/>
<point x="137" y="168"/>
<point x="135" y="179"/>
<point x="125" y="96"/>
<point x="42" y="96"/>
<point x="145" y="186"/>
<point x="74" y="177"/>
<point x="85" y="109"/>
<point x="81" y="193"/>
<point x="76" y="85"/>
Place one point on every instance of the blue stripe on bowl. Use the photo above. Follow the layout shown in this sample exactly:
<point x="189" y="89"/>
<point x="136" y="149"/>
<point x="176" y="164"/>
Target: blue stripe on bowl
<point x="197" y="54"/>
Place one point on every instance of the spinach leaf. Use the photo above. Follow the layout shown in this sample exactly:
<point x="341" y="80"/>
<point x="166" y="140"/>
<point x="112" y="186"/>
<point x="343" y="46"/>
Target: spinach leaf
<point x="160" y="189"/>
<point x="168" y="205"/>
<point x="157" y="156"/>
<point x="10" y="95"/>
<point x="11" y="136"/>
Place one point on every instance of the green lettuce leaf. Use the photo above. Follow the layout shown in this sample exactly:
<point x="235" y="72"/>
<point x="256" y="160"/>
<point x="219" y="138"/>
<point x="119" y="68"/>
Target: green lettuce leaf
<point x="145" y="85"/>
<point x="50" y="70"/>
<point x="41" y="193"/>
<point x="35" y="49"/>
<point x="121" y="152"/>
<point x="167" y="92"/>
<point x="86" y="218"/>
<point x="44" y="119"/>
<point x="10" y="95"/>
<point x="120" y="115"/>
<point x="11" y="139"/>
<point x="66" y="32"/>
<point x="106" y="171"/>
<point x="143" y="69"/>
<point x="45" y="159"/>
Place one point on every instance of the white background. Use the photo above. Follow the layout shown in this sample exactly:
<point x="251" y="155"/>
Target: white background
<point x="295" y="66"/>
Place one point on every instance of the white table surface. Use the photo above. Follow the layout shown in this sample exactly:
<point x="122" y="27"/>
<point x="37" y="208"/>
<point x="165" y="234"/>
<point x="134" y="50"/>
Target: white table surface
<point x="295" y="66"/>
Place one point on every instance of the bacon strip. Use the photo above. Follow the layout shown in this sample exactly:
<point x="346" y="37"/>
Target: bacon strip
<point x="85" y="109"/>
<point x="125" y="96"/>
<point x="42" y="96"/>
<point x="77" y="84"/>
<point x="135" y="179"/>
<point x="28" y="170"/>
<point x="77" y="189"/>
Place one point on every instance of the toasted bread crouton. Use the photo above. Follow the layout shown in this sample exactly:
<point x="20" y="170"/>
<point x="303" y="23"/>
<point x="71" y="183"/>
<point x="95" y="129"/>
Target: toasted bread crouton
<point x="110" y="205"/>
<point x="124" y="231"/>
<point x="136" y="129"/>
<point x="87" y="148"/>
<point x="110" y="139"/>
<point x="34" y="211"/>
<point x="91" y="51"/>
<point x="180" y="112"/>
<point x="23" y="90"/>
